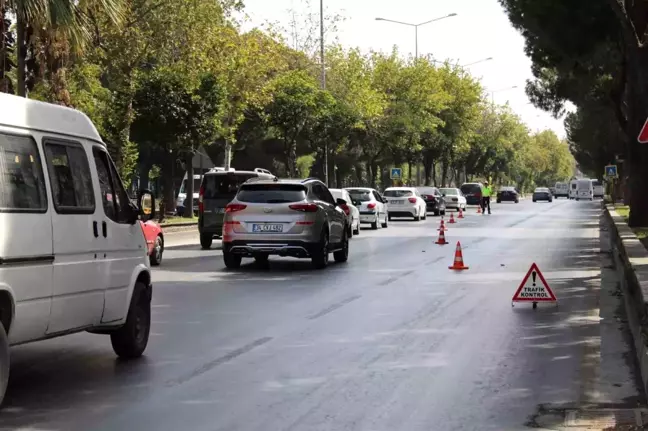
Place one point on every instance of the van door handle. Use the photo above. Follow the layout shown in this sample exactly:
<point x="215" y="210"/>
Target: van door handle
<point x="95" y="229"/>
<point x="104" y="228"/>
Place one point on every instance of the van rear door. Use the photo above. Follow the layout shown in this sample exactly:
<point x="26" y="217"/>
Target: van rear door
<point x="218" y="190"/>
<point x="26" y="253"/>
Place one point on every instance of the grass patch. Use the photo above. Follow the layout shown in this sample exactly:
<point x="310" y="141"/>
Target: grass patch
<point x="179" y="220"/>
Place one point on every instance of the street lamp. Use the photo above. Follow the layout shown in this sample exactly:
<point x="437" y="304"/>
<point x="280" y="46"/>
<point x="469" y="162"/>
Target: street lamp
<point x="477" y="62"/>
<point x="500" y="90"/>
<point x="416" y="26"/>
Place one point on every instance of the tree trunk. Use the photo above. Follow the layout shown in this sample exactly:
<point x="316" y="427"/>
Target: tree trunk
<point x="21" y="53"/>
<point x="291" y="158"/>
<point x="189" y="203"/>
<point x="434" y="175"/>
<point x="444" y="173"/>
<point x="427" y="171"/>
<point x="409" y="172"/>
<point x="373" y="168"/>
<point x="167" y="181"/>
<point x="144" y="170"/>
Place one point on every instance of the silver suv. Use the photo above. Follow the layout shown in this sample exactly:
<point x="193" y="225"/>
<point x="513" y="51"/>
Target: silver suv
<point x="296" y="218"/>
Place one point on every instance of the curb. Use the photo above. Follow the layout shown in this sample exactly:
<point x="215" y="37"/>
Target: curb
<point x="631" y="263"/>
<point x="188" y="224"/>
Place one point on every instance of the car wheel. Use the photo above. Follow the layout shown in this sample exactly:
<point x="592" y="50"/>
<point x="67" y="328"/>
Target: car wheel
<point x="374" y="224"/>
<point x="130" y="340"/>
<point x="261" y="258"/>
<point x="499" y="201"/>
<point x="425" y="214"/>
<point x="232" y="261"/>
<point x="342" y="255"/>
<point x="534" y="200"/>
<point x="517" y="201"/>
<point x="436" y="213"/>
<point x="443" y="212"/>
<point x="385" y="224"/>
<point x="4" y="362"/>
<point x="417" y="217"/>
<point x="389" y="217"/>
<point x="321" y="254"/>
<point x="356" y="231"/>
<point x="158" y="249"/>
<point x="206" y="241"/>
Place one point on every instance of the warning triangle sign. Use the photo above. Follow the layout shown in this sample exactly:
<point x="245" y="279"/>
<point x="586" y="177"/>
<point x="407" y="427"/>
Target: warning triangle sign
<point x="643" y="134"/>
<point x="534" y="288"/>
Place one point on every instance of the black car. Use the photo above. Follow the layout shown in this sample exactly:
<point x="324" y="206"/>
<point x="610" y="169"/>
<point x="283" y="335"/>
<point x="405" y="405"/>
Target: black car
<point x="434" y="201"/>
<point x="542" y="194"/>
<point x="472" y="192"/>
<point x="508" y="194"/>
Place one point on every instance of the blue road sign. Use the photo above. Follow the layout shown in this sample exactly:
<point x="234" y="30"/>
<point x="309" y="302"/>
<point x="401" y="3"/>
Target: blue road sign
<point x="396" y="173"/>
<point x="611" y="171"/>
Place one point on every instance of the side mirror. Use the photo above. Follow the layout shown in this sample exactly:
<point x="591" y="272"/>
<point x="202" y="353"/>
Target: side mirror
<point x="443" y="194"/>
<point x="340" y="202"/>
<point x="146" y="205"/>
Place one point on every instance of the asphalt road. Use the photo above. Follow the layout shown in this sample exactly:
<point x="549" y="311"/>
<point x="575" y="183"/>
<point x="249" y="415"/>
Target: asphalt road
<point x="392" y="340"/>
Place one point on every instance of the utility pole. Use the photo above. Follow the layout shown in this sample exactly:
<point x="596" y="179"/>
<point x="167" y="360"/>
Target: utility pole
<point x="326" y="145"/>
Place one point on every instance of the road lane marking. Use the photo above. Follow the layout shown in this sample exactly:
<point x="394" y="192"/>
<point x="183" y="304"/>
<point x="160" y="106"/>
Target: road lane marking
<point x="334" y="307"/>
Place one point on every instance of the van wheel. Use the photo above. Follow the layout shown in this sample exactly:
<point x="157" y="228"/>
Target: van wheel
<point x="4" y="362"/>
<point x="342" y="255"/>
<point x="206" y="241"/>
<point x="130" y="340"/>
<point x="158" y="249"/>
<point x="232" y="261"/>
<point x="320" y="255"/>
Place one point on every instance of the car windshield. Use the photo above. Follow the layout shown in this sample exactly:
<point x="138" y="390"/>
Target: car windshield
<point x="271" y="193"/>
<point x="450" y="192"/>
<point x="398" y="193"/>
<point x="427" y="190"/>
<point x="360" y="195"/>
<point x="224" y="186"/>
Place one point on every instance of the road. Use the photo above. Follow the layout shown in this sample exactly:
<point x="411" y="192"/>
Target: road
<point x="392" y="340"/>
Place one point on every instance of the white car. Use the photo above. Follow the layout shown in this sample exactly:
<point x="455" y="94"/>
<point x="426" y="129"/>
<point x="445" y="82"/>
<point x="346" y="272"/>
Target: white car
<point x="351" y="211"/>
<point x="73" y="257"/>
<point x="370" y="204"/>
<point x="454" y="198"/>
<point x="405" y="202"/>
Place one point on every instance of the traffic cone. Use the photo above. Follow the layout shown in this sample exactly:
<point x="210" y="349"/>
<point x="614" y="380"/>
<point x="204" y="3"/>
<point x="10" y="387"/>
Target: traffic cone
<point x="460" y="213"/>
<point x="479" y="209"/>
<point x="452" y="220"/>
<point x="458" y="259"/>
<point x="441" y="240"/>
<point x="443" y="226"/>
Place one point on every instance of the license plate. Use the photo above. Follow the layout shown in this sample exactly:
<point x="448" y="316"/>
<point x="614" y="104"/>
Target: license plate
<point x="395" y="202"/>
<point x="267" y="228"/>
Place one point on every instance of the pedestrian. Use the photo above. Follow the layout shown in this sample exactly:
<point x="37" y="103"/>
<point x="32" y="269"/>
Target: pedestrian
<point x="486" y="195"/>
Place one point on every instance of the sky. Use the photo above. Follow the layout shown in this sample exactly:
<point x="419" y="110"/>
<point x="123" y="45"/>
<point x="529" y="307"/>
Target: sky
<point x="480" y="30"/>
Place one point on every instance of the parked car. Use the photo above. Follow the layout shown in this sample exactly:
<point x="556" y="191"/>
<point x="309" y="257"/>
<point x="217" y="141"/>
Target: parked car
<point x="542" y="194"/>
<point x="351" y="211"/>
<point x="434" y="201"/>
<point x="508" y="194"/>
<point x="182" y="194"/>
<point x="472" y="192"/>
<point x="296" y="218"/>
<point x="217" y="189"/>
<point x="405" y="202"/>
<point x="562" y="190"/>
<point x="371" y="205"/>
<point x="154" y="237"/>
<point x="72" y="253"/>
<point x="454" y="198"/>
<point x="598" y="189"/>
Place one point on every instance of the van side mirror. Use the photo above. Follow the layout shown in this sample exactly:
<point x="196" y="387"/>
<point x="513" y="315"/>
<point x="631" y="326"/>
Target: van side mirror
<point x="146" y="205"/>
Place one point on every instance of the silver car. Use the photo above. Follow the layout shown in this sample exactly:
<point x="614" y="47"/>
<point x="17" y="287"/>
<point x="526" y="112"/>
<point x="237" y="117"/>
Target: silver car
<point x="295" y="218"/>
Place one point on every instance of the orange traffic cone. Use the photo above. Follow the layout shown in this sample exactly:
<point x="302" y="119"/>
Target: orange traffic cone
<point x="479" y="209"/>
<point x="452" y="220"/>
<point x="442" y="227"/>
<point x="441" y="240"/>
<point x="458" y="260"/>
<point x="460" y="213"/>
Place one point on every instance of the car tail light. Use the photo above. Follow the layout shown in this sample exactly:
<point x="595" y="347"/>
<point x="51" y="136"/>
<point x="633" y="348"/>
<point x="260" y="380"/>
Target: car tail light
<point x="232" y="208"/>
<point x="305" y="208"/>
<point x="201" y="206"/>
<point x="412" y="200"/>
<point x="346" y="209"/>
<point x="371" y="206"/>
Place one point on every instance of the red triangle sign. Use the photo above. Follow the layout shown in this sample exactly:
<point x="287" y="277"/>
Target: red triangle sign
<point x="643" y="135"/>
<point x="534" y="288"/>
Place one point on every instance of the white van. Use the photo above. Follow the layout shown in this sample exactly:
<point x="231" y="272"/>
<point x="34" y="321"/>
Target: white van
<point x="72" y="253"/>
<point x="182" y="194"/>
<point x="584" y="189"/>
<point x="573" y="186"/>
<point x="562" y="189"/>
<point x="599" y="189"/>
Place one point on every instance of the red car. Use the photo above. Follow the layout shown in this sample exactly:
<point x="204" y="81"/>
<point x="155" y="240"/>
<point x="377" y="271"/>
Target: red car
<point x="154" y="241"/>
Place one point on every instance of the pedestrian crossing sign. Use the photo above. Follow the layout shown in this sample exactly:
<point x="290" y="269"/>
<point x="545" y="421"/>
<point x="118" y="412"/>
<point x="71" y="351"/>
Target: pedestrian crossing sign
<point x="396" y="173"/>
<point x="534" y="288"/>
<point x="611" y="171"/>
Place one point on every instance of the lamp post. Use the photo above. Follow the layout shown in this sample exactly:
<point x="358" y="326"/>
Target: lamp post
<point x="500" y="90"/>
<point x="477" y="62"/>
<point x="416" y="26"/>
<point x="323" y="83"/>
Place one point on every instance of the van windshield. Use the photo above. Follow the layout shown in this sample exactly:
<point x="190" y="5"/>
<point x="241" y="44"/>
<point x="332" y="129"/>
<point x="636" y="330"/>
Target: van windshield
<point x="224" y="186"/>
<point x="470" y="188"/>
<point x="183" y="187"/>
